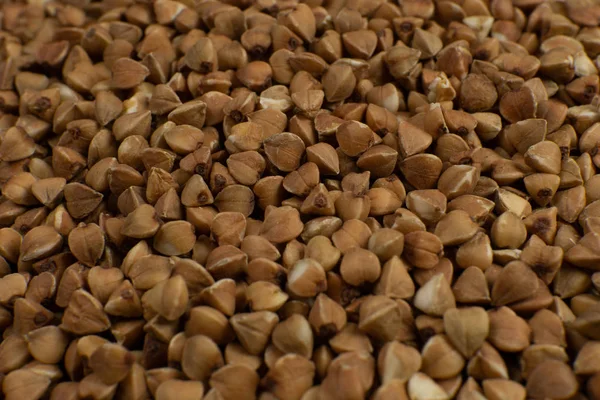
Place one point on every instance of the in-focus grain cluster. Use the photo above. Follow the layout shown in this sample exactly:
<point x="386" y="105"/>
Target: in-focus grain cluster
<point x="300" y="200"/>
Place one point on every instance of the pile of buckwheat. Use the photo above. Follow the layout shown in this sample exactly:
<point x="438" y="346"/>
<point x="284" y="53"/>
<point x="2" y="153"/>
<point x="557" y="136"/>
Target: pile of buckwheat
<point x="300" y="200"/>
